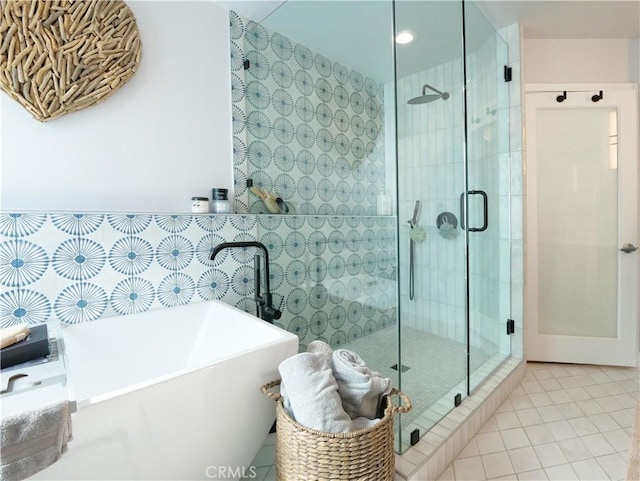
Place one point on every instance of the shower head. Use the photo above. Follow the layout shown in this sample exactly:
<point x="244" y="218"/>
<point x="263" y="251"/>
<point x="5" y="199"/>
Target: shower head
<point x="426" y="98"/>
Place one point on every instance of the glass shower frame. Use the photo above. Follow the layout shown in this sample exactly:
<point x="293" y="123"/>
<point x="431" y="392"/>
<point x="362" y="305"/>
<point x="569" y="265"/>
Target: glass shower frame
<point x="487" y="153"/>
<point x="430" y="170"/>
<point x="457" y="165"/>
<point x="462" y="276"/>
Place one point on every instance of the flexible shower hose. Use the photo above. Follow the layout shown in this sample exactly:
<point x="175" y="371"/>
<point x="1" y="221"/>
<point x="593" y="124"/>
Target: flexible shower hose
<point x="411" y="283"/>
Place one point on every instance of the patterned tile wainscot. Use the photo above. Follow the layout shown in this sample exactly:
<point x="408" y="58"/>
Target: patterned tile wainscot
<point x="82" y="267"/>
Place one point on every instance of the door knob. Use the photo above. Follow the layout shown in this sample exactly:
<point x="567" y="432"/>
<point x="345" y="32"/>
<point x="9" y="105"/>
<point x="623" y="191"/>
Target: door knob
<point x="628" y="248"/>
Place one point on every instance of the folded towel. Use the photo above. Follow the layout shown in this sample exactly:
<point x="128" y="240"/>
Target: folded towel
<point x="310" y="393"/>
<point x="356" y="424"/>
<point x="34" y="439"/>
<point x="360" y="388"/>
<point x="11" y="335"/>
<point x="321" y="347"/>
<point x="363" y="423"/>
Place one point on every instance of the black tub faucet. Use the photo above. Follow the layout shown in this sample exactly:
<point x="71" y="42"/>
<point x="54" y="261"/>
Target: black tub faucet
<point x="264" y="302"/>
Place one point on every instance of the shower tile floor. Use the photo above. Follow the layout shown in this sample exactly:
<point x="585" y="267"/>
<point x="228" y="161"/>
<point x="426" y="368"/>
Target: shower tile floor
<point x="436" y="370"/>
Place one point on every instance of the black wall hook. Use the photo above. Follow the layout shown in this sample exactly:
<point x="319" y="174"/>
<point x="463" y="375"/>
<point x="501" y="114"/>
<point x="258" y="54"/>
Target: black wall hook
<point x="597" y="97"/>
<point x="563" y="97"/>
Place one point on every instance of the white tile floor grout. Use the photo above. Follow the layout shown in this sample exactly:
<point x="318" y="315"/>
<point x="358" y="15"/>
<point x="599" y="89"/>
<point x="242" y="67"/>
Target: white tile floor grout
<point x="563" y="422"/>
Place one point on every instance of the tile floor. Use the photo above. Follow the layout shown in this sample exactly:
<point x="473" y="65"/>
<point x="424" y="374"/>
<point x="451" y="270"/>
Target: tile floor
<point x="563" y="422"/>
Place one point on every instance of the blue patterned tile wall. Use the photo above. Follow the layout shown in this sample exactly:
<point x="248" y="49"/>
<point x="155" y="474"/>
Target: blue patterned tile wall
<point x="81" y="267"/>
<point x="331" y="272"/>
<point x="305" y="127"/>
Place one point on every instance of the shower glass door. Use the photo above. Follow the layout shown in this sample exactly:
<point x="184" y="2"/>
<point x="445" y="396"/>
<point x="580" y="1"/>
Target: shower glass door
<point x="487" y="203"/>
<point x="430" y="166"/>
<point x="336" y="120"/>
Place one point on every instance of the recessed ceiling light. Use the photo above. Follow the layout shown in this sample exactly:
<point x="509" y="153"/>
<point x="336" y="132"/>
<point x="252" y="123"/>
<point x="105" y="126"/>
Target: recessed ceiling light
<point x="404" y="37"/>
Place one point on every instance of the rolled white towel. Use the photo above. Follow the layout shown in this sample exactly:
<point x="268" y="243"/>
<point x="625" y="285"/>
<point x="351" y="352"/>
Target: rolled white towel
<point x="356" y="424"/>
<point x="321" y="347"/>
<point x="310" y="393"/>
<point x="360" y="388"/>
<point x="316" y="346"/>
<point x="363" y="423"/>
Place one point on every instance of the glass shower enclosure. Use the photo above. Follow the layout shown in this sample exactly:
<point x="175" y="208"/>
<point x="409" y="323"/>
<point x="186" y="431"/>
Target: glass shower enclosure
<point x="393" y="162"/>
<point x="453" y="166"/>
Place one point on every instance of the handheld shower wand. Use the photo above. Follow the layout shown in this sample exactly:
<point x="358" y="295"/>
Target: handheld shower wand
<point x="412" y="222"/>
<point x="416" y="213"/>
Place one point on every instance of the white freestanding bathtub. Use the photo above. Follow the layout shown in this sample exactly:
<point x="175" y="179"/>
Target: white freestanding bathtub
<point x="169" y="394"/>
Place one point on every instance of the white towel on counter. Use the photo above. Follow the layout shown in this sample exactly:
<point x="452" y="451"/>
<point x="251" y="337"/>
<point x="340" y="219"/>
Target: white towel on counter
<point x="360" y="388"/>
<point x="13" y="334"/>
<point x="310" y="395"/>
<point x="34" y="439"/>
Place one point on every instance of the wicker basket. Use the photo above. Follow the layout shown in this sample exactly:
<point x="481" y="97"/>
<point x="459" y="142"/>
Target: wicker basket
<point x="304" y="454"/>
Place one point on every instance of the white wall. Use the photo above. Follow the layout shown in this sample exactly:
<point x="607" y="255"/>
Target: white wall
<point x="634" y="60"/>
<point x="161" y="139"/>
<point x="581" y="61"/>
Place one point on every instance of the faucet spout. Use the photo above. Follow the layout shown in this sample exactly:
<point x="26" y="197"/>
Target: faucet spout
<point x="266" y="310"/>
<point x="243" y="244"/>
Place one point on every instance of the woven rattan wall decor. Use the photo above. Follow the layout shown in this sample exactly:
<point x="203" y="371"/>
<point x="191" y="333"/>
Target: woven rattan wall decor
<point x="59" y="56"/>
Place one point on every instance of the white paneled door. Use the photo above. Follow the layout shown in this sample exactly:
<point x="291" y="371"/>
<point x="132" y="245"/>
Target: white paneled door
<point x="582" y="225"/>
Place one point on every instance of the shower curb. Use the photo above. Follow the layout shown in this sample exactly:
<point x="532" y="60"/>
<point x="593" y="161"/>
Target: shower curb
<point x="439" y="447"/>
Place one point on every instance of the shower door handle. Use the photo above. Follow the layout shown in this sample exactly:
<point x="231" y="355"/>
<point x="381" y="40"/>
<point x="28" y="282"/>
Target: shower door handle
<point x="485" y="205"/>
